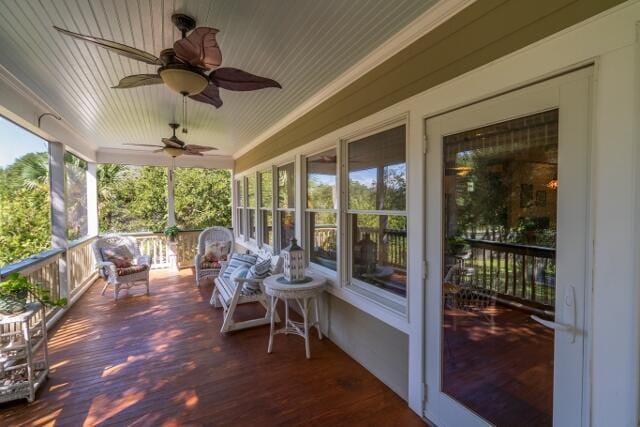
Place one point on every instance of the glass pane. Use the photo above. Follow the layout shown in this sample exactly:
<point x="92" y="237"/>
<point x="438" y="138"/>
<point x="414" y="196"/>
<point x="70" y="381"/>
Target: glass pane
<point x="323" y="238"/>
<point x="25" y="229"/>
<point x="267" y="228"/>
<point x="500" y="201"/>
<point x="132" y="198"/>
<point x="287" y="227"/>
<point x="379" y="251"/>
<point x="240" y="190"/>
<point x="287" y="186"/>
<point x="321" y="181"/>
<point x="239" y="222"/>
<point x="252" y="223"/>
<point x="266" y="189"/>
<point x="251" y="190"/>
<point x="202" y="198"/>
<point x="378" y="172"/>
<point x="75" y="170"/>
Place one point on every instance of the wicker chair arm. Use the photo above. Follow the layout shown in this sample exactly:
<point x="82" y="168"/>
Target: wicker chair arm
<point x="143" y="260"/>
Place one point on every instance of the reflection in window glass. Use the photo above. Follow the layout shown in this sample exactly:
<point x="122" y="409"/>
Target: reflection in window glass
<point x="25" y="229"/>
<point x="251" y="190"/>
<point x="202" y="198"/>
<point x="287" y="227"/>
<point x="379" y="251"/>
<point x="499" y="218"/>
<point x="377" y="171"/>
<point x="323" y="238"/>
<point x="267" y="227"/>
<point x="252" y="223"/>
<point x="266" y="189"/>
<point x="240" y="208"/>
<point x="286" y="186"/>
<point x="75" y="170"/>
<point x="132" y="198"/>
<point x="321" y="181"/>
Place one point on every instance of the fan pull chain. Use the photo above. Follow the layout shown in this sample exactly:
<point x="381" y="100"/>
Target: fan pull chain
<point x="184" y="114"/>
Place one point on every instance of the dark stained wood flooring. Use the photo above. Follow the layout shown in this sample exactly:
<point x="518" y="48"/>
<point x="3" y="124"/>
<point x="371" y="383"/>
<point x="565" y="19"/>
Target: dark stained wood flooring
<point x="504" y="371"/>
<point x="160" y="360"/>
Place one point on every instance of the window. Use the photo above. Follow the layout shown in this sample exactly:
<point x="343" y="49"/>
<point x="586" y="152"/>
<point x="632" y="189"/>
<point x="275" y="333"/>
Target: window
<point x="266" y="207"/>
<point x="321" y="212"/>
<point x="202" y="198"/>
<point x="25" y="228"/>
<point x="286" y="203"/>
<point x="132" y="198"/>
<point x="376" y="210"/>
<point x="251" y="205"/>
<point x="75" y="170"/>
<point x="240" y="207"/>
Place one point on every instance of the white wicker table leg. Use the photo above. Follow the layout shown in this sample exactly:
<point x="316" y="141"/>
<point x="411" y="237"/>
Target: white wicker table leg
<point x="273" y="305"/>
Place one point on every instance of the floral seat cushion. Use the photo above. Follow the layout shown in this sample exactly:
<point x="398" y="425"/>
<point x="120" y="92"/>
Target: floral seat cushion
<point x="120" y="256"/>
<point x="131" y="269"/>
<point x="216" y="251"/>
<point x="211" y="265"/>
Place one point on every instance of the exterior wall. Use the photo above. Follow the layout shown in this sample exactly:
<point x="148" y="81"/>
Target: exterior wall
<point x="609" y="43"/>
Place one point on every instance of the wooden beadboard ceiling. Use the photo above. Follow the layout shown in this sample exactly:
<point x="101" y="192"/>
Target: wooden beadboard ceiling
<point x="303" y="44"/>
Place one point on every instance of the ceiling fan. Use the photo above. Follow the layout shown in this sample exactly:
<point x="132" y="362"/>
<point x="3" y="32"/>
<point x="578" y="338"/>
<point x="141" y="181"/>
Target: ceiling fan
<point x="175" y="147"/>
<point x="185" y="68"/>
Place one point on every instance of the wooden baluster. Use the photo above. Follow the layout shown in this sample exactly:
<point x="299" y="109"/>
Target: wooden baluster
<point x="523" y="274"/>
<point x="506" y="272"/>
<point x="514" y="275"/>
<point x="533" y="278"/>
<point x="484" y="268"/>
<point x="490" y="270"/>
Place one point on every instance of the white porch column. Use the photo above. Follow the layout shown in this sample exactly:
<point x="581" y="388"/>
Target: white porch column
<point x="171" y="208"/>
<point x="301" y="201"/>
<point x="58" y="209"/>
<point x="92" y="199"/>
<point x="172" y="247"/>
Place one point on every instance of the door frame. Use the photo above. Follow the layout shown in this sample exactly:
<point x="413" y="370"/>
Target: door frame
<point x="433" y="164"/>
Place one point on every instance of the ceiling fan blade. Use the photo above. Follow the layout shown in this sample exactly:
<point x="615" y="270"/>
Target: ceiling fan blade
<point x="158" y="151"/>
<point x="235" y="79"/>
<point x="119" y="48"/>
<point x="192" y="153"/>
<point x="195" y="147"/>
<point x="200" y="48"/>
<point x="171" y="143"/>
<point x="143" y="145"/>
<point x="211" y="95"/>
<point x="138" y="80"/>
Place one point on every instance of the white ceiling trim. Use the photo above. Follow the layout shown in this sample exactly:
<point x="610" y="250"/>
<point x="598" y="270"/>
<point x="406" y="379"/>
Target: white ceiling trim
<point x="428" y="21"/>
<point x="23" y="107"/>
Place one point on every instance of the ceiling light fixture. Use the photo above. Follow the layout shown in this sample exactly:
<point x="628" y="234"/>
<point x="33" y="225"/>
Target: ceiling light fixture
<point x="182" y="80"/>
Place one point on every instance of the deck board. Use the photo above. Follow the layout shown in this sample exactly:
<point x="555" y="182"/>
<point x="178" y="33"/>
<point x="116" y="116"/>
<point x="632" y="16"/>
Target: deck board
<point x="161" y="360"/>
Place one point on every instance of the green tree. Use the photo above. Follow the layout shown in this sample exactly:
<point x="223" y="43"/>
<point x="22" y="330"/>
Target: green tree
<point x="202" y="198"/>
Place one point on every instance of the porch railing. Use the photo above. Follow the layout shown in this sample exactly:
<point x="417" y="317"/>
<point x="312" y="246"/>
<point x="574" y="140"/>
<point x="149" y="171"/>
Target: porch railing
<point x="162" y="251"/>
<point x="522" y="272"/>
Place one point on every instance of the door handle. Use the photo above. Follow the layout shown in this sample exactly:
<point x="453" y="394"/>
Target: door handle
<point x="570" y="304"/>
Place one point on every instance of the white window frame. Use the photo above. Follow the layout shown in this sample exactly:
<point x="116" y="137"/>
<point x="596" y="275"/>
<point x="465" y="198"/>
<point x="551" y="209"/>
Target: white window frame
<point x="249" y="207"/>
<point x="261" y="225"/>
<point x="241" y="229"/>
<point x="308" y="241"/>
<point x="276" y="202"/>
<point x="383" y="297"/>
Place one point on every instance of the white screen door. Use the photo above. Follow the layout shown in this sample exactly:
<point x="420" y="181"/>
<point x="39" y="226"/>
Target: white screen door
<point x="507" y="226"/>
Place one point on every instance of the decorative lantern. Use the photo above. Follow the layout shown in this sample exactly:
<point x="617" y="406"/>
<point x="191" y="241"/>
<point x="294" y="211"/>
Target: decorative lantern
<point x="294" y="262"/>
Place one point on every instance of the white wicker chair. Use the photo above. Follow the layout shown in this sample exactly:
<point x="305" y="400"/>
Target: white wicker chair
<point x="118" y="277"/>
<point x="228" y="295"/>
<point x="212" y="234"/>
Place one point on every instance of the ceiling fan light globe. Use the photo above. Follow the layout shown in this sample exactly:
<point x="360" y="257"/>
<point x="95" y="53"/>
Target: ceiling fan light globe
<point x="184" y="81"/>
<point x="174" y="152"/>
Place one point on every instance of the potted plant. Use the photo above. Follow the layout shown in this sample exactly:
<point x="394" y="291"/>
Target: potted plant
<point x="16" y="289"/>
<point x="171" y="232"/>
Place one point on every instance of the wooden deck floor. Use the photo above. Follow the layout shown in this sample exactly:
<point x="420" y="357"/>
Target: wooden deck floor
<point x="161" y="360"/>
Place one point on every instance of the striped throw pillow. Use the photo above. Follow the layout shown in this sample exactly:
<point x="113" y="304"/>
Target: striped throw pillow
<point x="239" y="260"/>
<point x="261" y="269"/>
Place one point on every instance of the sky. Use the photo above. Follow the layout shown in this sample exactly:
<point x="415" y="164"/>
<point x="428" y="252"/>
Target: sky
<point x="16" y="142"/>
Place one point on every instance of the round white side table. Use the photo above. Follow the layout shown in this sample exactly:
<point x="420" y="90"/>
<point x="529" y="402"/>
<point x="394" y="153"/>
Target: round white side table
<point x="304" y="294"/>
